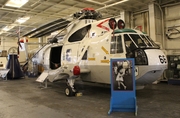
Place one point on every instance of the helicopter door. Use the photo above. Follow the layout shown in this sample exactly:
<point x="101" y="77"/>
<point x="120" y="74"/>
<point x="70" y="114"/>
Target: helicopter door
<point x="55" y="57"/>
<point x="117" y="47"/>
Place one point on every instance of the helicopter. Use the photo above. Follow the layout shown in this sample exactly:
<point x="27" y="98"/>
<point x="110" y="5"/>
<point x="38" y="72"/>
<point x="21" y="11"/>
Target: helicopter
<point x="88" y="46"/>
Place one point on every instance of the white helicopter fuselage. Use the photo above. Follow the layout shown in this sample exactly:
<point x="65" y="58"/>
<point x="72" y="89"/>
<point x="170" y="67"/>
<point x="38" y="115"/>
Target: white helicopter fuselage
<point x="95" y="47"/>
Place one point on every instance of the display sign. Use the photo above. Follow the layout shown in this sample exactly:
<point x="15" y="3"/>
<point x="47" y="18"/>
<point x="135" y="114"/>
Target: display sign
<point x="123" y="89"/>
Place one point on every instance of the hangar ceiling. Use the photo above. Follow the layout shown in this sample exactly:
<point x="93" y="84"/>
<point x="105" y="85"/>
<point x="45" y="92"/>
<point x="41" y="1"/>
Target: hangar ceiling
<point x="41" y="12"/>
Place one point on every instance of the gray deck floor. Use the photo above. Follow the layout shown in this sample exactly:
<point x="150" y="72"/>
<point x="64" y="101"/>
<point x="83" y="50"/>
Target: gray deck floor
<point x="23" y="98"/>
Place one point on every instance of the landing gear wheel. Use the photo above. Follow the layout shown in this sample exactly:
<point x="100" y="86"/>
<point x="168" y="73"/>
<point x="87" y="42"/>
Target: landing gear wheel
<point x="70" y="91"/>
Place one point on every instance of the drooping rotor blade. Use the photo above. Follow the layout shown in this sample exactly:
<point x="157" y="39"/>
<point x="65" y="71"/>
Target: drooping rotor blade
<point x="50" y="29"/>
<point x="46" y="29"/>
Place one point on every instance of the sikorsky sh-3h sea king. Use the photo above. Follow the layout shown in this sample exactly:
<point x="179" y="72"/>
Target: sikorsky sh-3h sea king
<point x="88" y="46"/>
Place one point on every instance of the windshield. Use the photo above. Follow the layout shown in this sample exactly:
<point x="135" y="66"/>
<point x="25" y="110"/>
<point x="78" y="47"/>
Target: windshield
<point x="154" y="44"/>
<point x="134" y="41"/>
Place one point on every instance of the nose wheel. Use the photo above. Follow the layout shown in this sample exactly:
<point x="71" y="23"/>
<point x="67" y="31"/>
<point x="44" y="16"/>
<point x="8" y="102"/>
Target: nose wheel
<point x="69" y="91"/>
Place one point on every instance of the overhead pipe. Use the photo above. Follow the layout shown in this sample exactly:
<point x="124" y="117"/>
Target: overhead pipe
<point x="16" y="24"/>
<point x="107" y="1"/>
<point x="112" y="4"/>
<point x="106" y="6"/>
<point x="169" y="5"/>
<point x="96" y="2"/>
<point x="24" y="11"/>
<point x="139" y="12"/>
<point x="100" y="3"/>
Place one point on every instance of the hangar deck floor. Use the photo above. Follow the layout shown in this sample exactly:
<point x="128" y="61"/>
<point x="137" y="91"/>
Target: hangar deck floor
<point x="23" y="98"/>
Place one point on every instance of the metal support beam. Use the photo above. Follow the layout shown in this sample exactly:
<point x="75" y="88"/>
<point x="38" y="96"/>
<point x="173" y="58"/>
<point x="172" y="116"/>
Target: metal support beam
<point x="152" y="21"/>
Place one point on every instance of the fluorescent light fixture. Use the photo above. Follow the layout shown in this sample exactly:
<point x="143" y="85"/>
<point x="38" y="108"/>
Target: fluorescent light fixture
<point x="7" y="28"/>
<point x="23" y="19"/>
<point x="16" y="3"/>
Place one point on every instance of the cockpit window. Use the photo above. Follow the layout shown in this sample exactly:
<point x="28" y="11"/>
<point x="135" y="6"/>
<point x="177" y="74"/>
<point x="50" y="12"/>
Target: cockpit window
<point x="147" y="42"/>
<point x="79" y="34"/>
<point x="134" y="41"/>
<point x="154" y="44"/>
<point x="138" y="40"/>
<point x="116" y="45"/>
<point x="128" y="43"/>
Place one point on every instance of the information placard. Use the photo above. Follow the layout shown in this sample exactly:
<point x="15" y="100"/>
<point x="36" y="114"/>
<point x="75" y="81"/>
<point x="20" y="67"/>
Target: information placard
<point x="123" y="89"/>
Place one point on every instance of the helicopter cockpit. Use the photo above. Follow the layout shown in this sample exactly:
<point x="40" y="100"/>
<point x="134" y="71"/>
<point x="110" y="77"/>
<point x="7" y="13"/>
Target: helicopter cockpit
<point x="135" y="45"/>
<point x="135" y="41"/>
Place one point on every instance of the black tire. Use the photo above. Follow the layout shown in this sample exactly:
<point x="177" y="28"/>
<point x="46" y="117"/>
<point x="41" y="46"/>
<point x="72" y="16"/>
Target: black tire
<point x="69" y="91"/>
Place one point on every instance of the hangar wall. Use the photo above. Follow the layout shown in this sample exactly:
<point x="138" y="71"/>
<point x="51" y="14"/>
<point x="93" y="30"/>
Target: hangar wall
<point x="172" y="23"/>
<point x="8" y="42"/>
<point x="171" y="20"/>
<point x="141" y="21"/>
